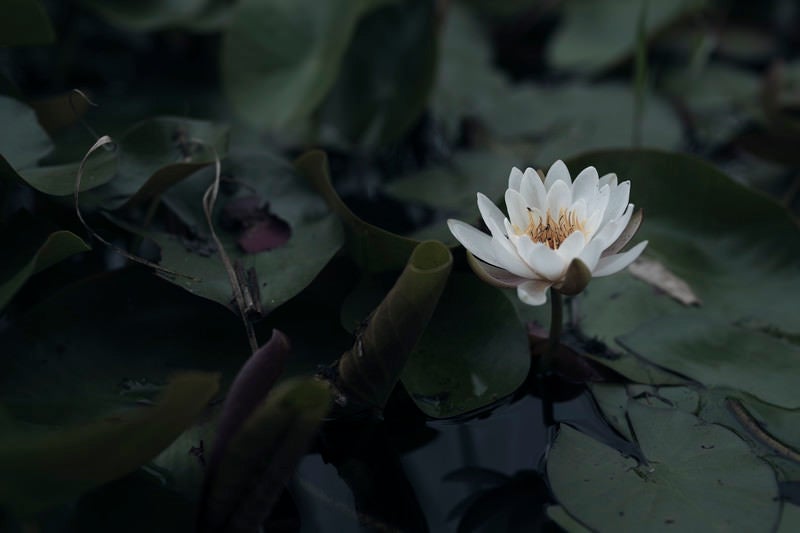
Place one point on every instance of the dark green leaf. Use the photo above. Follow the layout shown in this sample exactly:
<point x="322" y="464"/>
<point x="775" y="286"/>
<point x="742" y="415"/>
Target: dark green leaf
<point x="25" y="22"/>
<point x="42" y="469"/>
<point x="22" y="140"/>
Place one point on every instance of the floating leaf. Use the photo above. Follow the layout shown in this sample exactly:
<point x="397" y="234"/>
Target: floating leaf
<point x="40" y="470"/>
<point x="31" y="251"/>
<point x="473" y="353"/>
<point x="25" y="23"/>
<point x="373" y="248"/>
<point x="280" y="59"/>
<point x="370" y="370"/>
<point x="686" y="461"/>
<point x="281" y="272"/>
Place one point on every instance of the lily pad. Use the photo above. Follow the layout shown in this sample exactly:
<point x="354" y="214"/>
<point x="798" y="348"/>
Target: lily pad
<point x="737" y="249"/>
<point x="373" y="248"/>
<point x="281" y="58"/>
<point x="695" y="476"/>
<point x="282" y="272"/>
<point x="32" y="253"/>
<point x="595" y="35"/>
<point x="43" y="469"/>
<point x="473" y="353"/>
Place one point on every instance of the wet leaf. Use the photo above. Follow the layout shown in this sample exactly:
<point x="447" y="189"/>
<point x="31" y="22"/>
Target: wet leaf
<point x="262" y="456"/>
<point x="281" y="272"/>
<point x="30" y="251"/>
<point x="369" y="371"/>
<point x="473" y="353"/>
<point x="25" y="23"/>
<point x="291" y="51"/>
<point x="687" y="460"/>
<point x="43" y="469"/>
<point x="373" y="248"/>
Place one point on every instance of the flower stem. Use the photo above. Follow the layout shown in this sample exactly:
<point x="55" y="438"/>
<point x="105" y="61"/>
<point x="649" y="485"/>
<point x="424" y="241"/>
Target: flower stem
<point x="547" y="361"/>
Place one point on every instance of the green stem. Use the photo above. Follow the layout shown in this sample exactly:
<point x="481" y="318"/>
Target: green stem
<point x="547" y="361"/>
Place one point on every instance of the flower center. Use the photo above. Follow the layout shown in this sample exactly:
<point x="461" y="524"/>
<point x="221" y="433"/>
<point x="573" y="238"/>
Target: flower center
<point x="551" y="230"/>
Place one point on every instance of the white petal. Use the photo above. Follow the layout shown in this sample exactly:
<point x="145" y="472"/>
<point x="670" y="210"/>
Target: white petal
<point x="572" y="246"/>
<point x="544" y="261"/>
<point x="514" y="178"/>
<point x="533" y="190"/>
<point x="489" y="211"/>
<point x="617" y="201"/>
<point x="599" y="205"/>
<point x="505" y="251"/>
<point x="557" y="172"/>
<point x="591" y="253"/>
<point x="558" y="197"/>
<point x="614" y="263"/>
<point x="517" y="209"/>
<point x="533" y="292"/>
<point x="585" y="185"/>
<point x="609" y="233"/>
<point x="608" y="179"/>
<point x="473" y="240"/>
<point x="578" y="209"/>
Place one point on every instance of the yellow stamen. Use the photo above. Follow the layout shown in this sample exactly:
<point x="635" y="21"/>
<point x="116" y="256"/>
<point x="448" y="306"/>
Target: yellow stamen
<point x="552" y="231"/>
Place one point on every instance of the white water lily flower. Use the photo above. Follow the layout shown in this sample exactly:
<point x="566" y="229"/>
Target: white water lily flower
<point x="558" y="233"/>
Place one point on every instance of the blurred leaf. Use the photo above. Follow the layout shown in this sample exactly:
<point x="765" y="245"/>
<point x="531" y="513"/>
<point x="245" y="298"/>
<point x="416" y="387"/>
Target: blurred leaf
<point x="149" y="15"/>
<point x="251" y="385"/>
<point x="281" y="272"/>
<point x="378" y="96"/>
<point x="280" y="58"/>
<point x="451" y="187"/>
<point x="25" y="23"/>
<point x="262" y="456"/>
<point x="790" y="519"/>
<point x="373" y="248"/>
<point x="596" y="34"/>
<point x="30" y="251"/>
<point x="58" y="112"/>
<point x="22" y="140"/>
<point x="473" y="353"/>
<point x="110" y="342"/>
<point x="686" y="460"/>
<point x="40" y="470"/>
<point x="370" y="370"/>
<point x="559" y="515"/>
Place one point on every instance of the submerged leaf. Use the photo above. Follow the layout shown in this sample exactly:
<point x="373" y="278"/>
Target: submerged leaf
<point x="39" y="470"/>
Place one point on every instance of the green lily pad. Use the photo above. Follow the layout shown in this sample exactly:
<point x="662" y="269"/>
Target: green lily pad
<point x="697" y="476"/>
<point x="595" y="35"/>
<point x="737" y="249"/>
<point x="111" y="342"/>
<point x="377" y="97"/>
<point x="790" y="519"/>
<point x="42" y="469"/>
<point x="25" y="23"/>
<point x="473" y="353"/>
<point x="32" y="251"/>
<point x="23" y="141"/>
<point x="721" y="355"/>
<point x="280" y="59"/>
<point x="373" y="248"/>
<point x="282" y="272"/>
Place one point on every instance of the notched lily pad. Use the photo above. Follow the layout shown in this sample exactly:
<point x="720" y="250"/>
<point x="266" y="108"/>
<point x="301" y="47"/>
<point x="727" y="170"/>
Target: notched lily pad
<point x="694" y="476"/>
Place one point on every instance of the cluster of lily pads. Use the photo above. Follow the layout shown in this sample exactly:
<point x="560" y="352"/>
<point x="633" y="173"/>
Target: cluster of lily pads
<point x="188" y="308"/>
